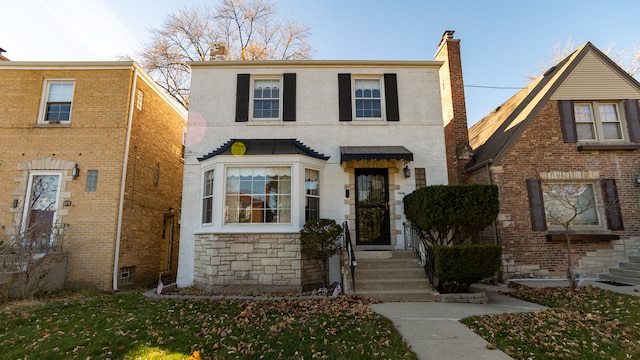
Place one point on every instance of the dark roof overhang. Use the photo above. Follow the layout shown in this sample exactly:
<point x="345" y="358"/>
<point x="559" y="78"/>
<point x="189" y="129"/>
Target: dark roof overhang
<point x="348" y="153"/>
<point x="239" y="147"/>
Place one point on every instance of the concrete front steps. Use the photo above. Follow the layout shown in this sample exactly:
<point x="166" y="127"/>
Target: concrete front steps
<point x="391" y="276"/>
<point x="627" y="272"/>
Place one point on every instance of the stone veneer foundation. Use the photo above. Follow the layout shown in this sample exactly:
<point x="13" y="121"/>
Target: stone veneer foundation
<point x="245" y="263"/>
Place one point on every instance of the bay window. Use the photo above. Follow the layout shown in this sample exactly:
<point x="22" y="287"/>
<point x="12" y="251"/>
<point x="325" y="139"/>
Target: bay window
<point x="258" y="195"/>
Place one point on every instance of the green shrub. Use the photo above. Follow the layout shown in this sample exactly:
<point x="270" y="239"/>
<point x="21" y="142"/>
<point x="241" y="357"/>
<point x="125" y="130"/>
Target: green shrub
<point x="457" y="267"/>
<point x="450" y="214"/>
<point x="319" y="239"/>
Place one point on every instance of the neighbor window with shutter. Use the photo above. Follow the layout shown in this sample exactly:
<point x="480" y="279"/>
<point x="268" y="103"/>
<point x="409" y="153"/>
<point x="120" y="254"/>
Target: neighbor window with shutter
<point x="580" y="205"/>
<point x="600" y="122"/>
<point x="597" y="121"/>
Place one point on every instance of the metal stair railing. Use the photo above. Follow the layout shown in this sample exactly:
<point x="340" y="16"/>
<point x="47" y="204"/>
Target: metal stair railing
<point x="417" y="242"/>
<point x="352" y="256"/>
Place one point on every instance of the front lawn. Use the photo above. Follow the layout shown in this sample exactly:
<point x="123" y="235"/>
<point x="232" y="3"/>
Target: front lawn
<point x="130" y="326"/>
<point x="586" y="323"/>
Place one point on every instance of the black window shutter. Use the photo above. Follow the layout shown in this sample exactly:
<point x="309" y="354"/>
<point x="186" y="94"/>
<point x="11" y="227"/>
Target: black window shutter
<point x="242" y="97"/>
<point x="536" y="204"/>
<point x="612" y="205"/>
<point x="289" y="97"/>
<point x="344" y="97"/>
<point x="391" y="97"/>
<point x="633" y="118"/>
<point x="567" y="121"/>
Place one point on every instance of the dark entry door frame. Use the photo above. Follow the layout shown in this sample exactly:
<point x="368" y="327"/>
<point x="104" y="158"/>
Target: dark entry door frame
<point x="372" y="207"/>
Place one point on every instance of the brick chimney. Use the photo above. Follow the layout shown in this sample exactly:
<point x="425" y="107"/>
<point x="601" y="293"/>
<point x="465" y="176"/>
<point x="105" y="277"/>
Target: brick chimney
<point x="454" y="111"/>
<point x="219" y="52"/>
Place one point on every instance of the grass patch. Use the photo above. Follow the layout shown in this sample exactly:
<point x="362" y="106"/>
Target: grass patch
<point x="129" y="326"/>
<point x="586" y="323"/>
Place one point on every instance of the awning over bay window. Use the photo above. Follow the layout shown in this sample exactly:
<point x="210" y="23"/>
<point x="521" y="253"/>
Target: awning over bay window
<point x="401" y="153"/>
<point x="240" y="147"/>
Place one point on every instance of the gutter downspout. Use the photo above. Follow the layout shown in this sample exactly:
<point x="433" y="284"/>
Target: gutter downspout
<point x="116" y="255"/>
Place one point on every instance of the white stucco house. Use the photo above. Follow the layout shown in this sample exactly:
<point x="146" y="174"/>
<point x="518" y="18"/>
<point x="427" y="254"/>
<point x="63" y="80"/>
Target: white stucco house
<point x="272" y="144"/>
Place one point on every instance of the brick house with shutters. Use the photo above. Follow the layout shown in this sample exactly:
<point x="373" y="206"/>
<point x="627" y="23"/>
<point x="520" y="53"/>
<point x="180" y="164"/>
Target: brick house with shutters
<point x="272" y="144"/>
<point x="102" y="143"/>
<point x="574" y="130"/>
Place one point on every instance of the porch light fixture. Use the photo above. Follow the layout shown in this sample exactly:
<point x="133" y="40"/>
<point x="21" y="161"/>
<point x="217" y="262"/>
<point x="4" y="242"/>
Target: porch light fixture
<point x="407" y="171"/>
<point x="75" y="172"/>
<point x="15" y="203"/>
<point x="638" y="180"/>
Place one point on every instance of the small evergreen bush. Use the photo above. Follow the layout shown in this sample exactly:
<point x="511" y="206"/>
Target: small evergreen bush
<point x="457" y="267"/>
<point x="450" y="214"/>
<point x="319" y="240"/>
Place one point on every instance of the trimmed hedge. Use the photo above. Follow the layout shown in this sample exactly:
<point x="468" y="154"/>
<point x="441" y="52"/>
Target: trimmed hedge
<point x="457" y="267"/>
<point x="450" y="214"/>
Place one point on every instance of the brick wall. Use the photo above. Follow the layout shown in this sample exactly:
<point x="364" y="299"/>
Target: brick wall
<point x="540" y="152"/>
<point x="153" y="189"/>
<point x="454" y="110"/>
<point x="94" y="140"/>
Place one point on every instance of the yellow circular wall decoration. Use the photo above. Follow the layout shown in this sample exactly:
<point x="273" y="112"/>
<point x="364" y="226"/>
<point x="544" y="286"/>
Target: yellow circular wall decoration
<point x="238" y="148"/>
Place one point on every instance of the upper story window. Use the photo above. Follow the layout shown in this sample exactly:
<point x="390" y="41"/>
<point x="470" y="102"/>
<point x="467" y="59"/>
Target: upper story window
<point x="368" y="99"/>
<point x="597" y="121"/>
<point x="266" y="99"/>
<point x="140" y="100"/>
<point x="601" y="125"/>
<point x="57" y="100"/>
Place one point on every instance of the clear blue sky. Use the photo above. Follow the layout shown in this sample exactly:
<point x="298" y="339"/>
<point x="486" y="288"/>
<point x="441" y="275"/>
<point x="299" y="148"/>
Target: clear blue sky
<point x="502" y="41"/>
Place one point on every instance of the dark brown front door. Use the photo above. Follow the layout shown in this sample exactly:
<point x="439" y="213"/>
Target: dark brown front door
<point x="372" y="207"/>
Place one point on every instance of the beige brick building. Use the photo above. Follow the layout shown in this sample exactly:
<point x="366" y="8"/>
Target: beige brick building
<point x="97" y="147"/>
<point x="574" y="131"/>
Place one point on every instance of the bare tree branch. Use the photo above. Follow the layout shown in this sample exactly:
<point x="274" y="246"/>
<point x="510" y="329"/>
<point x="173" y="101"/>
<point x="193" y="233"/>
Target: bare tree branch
<point x="628" y="60"/>
<point x="250" y="29"/>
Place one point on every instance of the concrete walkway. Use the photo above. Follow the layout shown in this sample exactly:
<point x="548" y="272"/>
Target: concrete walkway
<point x="433" y="330"/>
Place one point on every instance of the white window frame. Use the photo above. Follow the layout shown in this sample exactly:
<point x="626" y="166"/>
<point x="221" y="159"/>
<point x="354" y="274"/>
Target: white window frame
<point x="205" y="195"/>
<point x="598" y="129"/>
<point x="42" y="117"/>
<point x="139" y="100"/>
<point x="298" y="164"/>
<point x="596" y="206"/>
<point x="252" y="98"/>
<point x="307" y="195"/>
<point x="248" y="213"/>
<point x="380" y="79"/>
